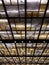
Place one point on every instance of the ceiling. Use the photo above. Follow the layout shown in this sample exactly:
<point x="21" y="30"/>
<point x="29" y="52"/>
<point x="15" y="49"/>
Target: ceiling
<point x="24" y="32"/>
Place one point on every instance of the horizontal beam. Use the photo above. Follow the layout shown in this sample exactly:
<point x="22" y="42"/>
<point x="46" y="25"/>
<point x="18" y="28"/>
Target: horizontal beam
<point x="23" y="17"/>
<point x="24" y="55"/>
<point x="22" y="63"/>
<point x="25" y="41"/>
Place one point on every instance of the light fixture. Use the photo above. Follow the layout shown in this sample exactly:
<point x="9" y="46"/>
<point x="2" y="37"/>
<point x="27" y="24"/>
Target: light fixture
<point x="42" y="36"/>
<point x="22" y="26"/>
<point x="7" y="1"/>
<point x="17" y="35"/>
<point x="44" y="1"/>
<point x="14" y="1"/>
<point x="12" y="11"/>
<point x="32" y="10"/>
<point x="0" y="2"/>
<point x="48" y="26"/>
<point x="28" y="25"/>
<point x="2" y="13"/>
<point x="1" y="32"/>
<point x="12" y="25"/>
<point x="3" y="20"/>
<point x="47" y="11"/>
<point x="33" y="1"/>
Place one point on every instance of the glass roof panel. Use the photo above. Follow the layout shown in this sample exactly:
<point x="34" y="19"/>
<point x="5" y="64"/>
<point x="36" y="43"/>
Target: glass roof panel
<point x="24" y="32"/>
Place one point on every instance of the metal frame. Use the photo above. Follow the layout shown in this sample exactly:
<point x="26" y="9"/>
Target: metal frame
<point x="24" y="40"/>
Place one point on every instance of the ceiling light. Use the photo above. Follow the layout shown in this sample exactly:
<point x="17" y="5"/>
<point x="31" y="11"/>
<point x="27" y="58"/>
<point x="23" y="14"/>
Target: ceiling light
<point x="14" y="1"/>
<point x="20" y="26"/>
<point x="42" y="36"/>
<point x="33" y="1"/>
<point x="32" y="10"/>
<point x="12" y="11"/>
<point x="0" y="2"/>
<point x="47" y="11"/>
<point x="7" y="1"/>
<point x="44" y="1"/>
<point x="47" y="26"/>
<point x="12" y="25"/>
<point x="3" y="20"/>
<point x="33" y="25"/>
<point x="17" y="35"/>
<point x="3" y="32"/>
<point x="28" y="25"/>
<point x="2" y="13"/>
<point x="48" y="36"/>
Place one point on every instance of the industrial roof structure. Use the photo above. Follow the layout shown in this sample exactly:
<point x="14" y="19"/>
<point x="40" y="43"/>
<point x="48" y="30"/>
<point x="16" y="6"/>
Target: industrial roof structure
<point x="24" y="32"/>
